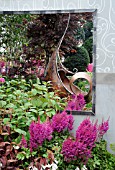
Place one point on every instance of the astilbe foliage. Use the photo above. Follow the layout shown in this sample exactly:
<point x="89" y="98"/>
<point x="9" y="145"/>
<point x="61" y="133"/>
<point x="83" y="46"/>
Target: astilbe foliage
<point x="39" y="132"/>
<point x="86" y="136"/>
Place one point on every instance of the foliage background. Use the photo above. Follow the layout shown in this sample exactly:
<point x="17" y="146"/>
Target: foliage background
<point x="27" y="41"/>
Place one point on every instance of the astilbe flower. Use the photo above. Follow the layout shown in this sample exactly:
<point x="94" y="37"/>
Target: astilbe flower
<point x="2" y="80"/>
<point x="87" y="133"/>
<point x="23" y="142"/>
<point x="39" y="132"/>
<point x="86" y="136"/>
<point x="77" y="102"/>
<point x="61" y="121"/>
<point x="90" y="67"/>
<point x="103" y="128"/>
<point x="73" y="150"/>
<point x="69" y="148"/>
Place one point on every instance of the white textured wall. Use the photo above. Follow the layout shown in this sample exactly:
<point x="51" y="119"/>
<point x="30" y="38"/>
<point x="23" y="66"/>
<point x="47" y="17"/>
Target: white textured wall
<point x="105" y="49"/>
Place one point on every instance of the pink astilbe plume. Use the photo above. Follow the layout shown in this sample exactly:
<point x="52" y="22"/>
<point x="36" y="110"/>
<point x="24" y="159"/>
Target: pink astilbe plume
<point x="69" y="149"/>
<point x="39" y="132"/>
<point x="77" y="103"/>
<point x="87" y="135"/>
<point x="2" y="80"/>
<point x="103" y="128"/>
<point x="61" y="121"/>
<point x="90" y="67"/>
<point x="73" y="150"/>
<point x="23" y="142"/>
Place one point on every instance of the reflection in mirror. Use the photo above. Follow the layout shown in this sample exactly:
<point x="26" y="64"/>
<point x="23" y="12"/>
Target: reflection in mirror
<point x="55" y="47"/>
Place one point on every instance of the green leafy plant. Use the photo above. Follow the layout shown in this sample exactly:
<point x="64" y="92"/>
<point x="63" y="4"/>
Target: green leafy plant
<point x="51" y="140"/>
<point x="101" y="158"/>
<point x="88" y="44"/>
<point x="112" y="147"/>
<point x="21" y="103"/>
<point x="79" y="60"/>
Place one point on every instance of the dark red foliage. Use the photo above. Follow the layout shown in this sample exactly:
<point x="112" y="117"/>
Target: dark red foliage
<point x="7" y="151"/>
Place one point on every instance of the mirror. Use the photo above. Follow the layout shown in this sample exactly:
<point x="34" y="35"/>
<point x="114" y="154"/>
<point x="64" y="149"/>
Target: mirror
<point x="50" y="44"/>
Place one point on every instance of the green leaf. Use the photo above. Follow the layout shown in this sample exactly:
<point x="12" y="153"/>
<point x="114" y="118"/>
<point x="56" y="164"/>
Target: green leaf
<point x="6" y="120"/>
<point x="45" y="155"/>
<point x="34" y="92"/>
<point x="2" y="96"/>
<point x="2" y="103"/>
<point x="11" y="105"/>
<point x="18" y="139"/>
<point x="36" y="102"/>
<point x="20" y="131"/>
<point x="44" y="105"/>
<point x="112" y="146"/>
<point x="27" y="105"/>
<point x="18" y="92"/>
<point x="41" y="113"/>
<point x="33" y="110"/>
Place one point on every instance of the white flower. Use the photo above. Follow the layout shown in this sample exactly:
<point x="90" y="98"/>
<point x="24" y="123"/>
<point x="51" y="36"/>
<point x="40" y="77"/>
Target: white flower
<point x="84" y="168"/>
<point x="77" y="168"/>
<point x="0" y="164"/>
<point x="55" y="161"/>
<point x="16" y="147"/>
<point x="46" y="166"/>
<point x="34" y="168"/>
<point x="54" y="166"/>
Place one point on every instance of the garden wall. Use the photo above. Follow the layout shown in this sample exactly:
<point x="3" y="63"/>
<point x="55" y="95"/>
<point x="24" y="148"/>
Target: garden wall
<point x="105" y="49"/>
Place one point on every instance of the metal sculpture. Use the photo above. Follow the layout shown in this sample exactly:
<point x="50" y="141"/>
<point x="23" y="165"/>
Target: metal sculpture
<point x="56" y="73"/>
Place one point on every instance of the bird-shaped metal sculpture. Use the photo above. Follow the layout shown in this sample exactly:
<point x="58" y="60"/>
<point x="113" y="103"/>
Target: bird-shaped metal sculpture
<point x="56" y="73"/>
